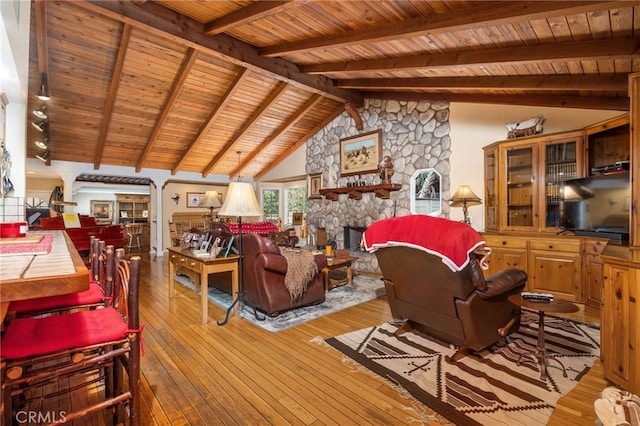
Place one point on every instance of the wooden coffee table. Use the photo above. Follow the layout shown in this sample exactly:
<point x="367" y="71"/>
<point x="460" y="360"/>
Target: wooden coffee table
<point x="557" y="306"/>
<point x="336" y="263"/>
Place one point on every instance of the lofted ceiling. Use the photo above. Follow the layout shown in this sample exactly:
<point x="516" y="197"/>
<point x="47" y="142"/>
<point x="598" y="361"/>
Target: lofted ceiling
<point x="234" y="87"/>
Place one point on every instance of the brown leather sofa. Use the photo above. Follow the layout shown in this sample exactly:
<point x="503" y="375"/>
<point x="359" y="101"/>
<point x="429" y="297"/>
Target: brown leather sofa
<point x="461" y="308"/>
<point x="264" y="270"/>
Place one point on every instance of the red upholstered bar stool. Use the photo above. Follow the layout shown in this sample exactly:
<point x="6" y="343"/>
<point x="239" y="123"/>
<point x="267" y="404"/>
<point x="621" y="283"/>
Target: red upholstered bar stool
<point x="93" y="297"/>
<point x="96" y="346"/>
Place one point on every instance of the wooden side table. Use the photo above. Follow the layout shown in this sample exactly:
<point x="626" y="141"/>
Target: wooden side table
<point x="558" y="306"/>
<point x="336" y="263"/>
<point x="203" y="266"/>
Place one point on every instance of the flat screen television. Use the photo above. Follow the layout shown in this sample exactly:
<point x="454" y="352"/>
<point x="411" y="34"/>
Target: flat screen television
<point x="597" y="205"/>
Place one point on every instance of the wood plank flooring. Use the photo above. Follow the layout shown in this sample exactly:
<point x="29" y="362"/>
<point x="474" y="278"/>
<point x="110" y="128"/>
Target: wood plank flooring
<point x="240" y="374"/>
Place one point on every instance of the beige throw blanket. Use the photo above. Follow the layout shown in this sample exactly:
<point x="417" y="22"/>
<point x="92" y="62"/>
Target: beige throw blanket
<point x="300" y="270"/>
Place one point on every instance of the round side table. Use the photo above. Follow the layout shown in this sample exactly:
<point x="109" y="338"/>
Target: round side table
<point x="557" y="306"/>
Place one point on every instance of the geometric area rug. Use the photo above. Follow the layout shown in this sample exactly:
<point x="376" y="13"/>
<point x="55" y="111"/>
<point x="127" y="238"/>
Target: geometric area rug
<point x="484" y="388"/>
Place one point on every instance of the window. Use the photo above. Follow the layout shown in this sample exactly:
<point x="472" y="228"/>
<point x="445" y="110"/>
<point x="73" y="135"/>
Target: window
<point x="271" y="204"/>
<point x="295" y="202"/>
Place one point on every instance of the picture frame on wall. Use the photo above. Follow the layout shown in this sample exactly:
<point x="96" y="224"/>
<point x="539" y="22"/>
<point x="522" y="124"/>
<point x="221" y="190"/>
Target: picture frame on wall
<point x="193" y="199"/>
<point x="314" y="185"/>
<point x="297" y="219"/>
<point x="361" y="154"/>
<point x="102" y="210"/>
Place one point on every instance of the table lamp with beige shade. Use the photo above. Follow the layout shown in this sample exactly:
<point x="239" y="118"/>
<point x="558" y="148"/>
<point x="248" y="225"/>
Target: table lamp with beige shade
<point x="212" y="200"/>
<point x="465" y="197"/>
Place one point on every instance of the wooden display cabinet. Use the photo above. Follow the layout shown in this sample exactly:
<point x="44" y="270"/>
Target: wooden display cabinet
<point x="519" y="187"/>
<point x="132" y="208"/>
<point x="491" y="187"/>
<point x="523" y="178"/>
<point x="135" y="209"/>
<point x="607" y="143"/>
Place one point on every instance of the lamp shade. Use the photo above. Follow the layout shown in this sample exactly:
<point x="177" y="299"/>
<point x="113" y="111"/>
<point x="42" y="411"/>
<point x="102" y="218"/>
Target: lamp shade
<point x="240" y="201"/>
<point x="211" y="200"/>
<point x="464" y="196"/>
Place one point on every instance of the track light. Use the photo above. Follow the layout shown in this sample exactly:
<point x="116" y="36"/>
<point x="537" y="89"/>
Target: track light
<point x="41" y="112"/>
<point x="43" y="93"/>
<point x="42" y="143"/>
<point x="40" y="125"/>
<point x="43" y="156"/>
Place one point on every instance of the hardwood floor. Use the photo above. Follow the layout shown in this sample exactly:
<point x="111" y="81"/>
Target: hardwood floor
<point x="240" y="374"/>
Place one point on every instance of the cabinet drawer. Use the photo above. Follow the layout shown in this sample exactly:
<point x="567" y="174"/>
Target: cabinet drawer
<point x="496" y="241"/>
<point x="594" y="247"/>
<point x="184" y="262"/>
<point x="564" y="246"/>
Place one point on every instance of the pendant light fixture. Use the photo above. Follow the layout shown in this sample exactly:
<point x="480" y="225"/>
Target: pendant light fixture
<point x="43" y="93"/>
<point x="43" y="156"/>
<point x="41" y="125"/>
<point x="41" y="112"/>
<point x="42" y="143"/>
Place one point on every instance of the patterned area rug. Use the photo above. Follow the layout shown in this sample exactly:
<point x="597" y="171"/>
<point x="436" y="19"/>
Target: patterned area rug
<point x="364" y="288"/>
<point x="486" y="388"/>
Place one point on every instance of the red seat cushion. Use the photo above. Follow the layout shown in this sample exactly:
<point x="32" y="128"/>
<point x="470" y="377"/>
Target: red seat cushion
<point x="90" y="296"/>
<point x="25" y="337"/>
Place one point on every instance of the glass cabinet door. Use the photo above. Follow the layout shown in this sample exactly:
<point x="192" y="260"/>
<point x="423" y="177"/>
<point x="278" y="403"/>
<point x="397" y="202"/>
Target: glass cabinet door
<point x="520" y="163"/>
<point x="561" y="162"/>
<point x="490" y="188"/>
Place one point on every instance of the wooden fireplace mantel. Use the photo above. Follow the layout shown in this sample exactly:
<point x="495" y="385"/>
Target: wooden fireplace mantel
<point x="355" y="192"/>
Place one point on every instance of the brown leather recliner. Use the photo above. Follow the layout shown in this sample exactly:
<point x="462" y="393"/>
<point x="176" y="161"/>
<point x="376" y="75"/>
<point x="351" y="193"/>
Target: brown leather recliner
<point x="461" y="308"/>
<point x="264" y="270"/>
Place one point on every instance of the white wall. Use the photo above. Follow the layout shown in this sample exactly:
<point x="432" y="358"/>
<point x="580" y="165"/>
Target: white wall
<point x="474" y="126"/>
<point x="14" y="68"/>
<point x="294" y="165"/>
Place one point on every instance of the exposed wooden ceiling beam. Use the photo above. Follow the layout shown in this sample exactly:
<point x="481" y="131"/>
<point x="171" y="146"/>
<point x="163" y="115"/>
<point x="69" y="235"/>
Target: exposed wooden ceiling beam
<point x="600" y="82"/>
<point x="248" y="125"/>
<point x="286" y="125"/>
<point x="41" y="36"/>
<point x="299" y="143"/>
<point x="480" y="17"/>
<point x="571" y="51"/>
<point x="353" y="112"/>
<point x="246" y="15"/>
<point x="582" y="102"/>
<point x="160" y="20"/>
<point x="111" y="95"/>
<point x="174" y="92"/>
<point x="215" y="113"/>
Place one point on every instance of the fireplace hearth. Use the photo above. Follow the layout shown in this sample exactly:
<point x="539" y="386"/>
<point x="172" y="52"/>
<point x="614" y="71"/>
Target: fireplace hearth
<point x="353" y="237"/>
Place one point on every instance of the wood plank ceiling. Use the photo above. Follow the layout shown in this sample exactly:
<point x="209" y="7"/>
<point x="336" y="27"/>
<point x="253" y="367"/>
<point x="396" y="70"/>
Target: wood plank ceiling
<point x="186" y="85"/>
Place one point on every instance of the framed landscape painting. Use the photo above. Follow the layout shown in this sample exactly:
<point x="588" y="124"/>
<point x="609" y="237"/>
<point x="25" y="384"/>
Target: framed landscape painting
<point x="102" y="210"/>
<point x="360" y="154"/>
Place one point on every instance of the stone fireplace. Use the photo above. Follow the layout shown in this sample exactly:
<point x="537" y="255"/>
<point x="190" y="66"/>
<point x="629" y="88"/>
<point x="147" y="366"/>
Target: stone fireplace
<point x="415" y="134"/>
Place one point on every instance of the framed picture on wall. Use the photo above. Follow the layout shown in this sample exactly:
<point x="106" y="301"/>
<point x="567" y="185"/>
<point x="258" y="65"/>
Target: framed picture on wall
<point x="297" y="219"/>
<point x="360" y="154"/>
<point x="102" y="210"/>
<point x="314" y="185"/>
<point x="193" y="198"/>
